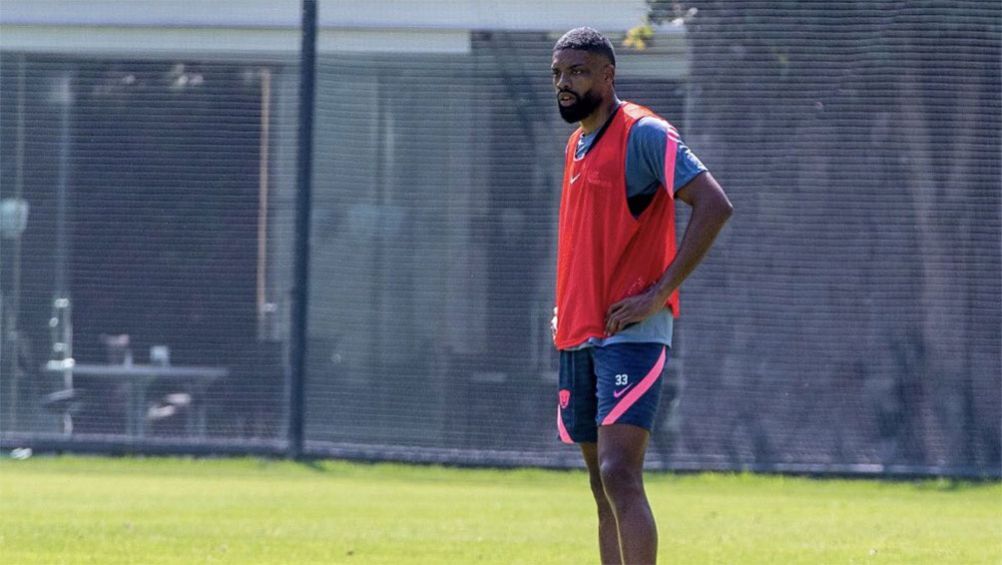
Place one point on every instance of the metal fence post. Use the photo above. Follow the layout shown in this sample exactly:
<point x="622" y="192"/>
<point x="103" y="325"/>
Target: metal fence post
<point x="304" y="171"/>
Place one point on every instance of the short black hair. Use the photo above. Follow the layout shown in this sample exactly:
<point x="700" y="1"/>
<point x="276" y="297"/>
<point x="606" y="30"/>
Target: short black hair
<point x="587" y="39"/>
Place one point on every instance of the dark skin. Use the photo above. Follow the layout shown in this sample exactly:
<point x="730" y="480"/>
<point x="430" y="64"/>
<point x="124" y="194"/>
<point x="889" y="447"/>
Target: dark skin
<point x="579" y="72"/>
<point x="627" y="531"/>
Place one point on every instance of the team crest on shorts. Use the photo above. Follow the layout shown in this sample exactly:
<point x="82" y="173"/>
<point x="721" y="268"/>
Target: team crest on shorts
<point x="565" y="398"/>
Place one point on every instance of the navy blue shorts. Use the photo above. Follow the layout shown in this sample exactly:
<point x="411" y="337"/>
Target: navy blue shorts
<point x="614" y="384"/>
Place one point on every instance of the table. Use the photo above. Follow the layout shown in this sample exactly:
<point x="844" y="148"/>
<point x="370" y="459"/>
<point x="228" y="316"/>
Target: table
<point x="140" y="377"/>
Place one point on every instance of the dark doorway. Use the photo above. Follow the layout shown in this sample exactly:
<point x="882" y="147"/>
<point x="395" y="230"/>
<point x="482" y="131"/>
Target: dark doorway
<point x="165" y="203"/>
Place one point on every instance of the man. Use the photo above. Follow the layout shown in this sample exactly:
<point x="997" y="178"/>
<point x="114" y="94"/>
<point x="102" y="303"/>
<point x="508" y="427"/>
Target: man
<point x="618" y="273"/>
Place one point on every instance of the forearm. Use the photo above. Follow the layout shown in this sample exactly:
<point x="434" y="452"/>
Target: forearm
<point x="706" y="221"/>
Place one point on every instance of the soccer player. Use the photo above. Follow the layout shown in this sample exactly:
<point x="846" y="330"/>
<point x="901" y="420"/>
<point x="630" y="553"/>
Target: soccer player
<point x="618" y="273"/>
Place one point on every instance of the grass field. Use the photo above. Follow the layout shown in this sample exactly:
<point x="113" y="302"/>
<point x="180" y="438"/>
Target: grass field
<point x="160" y="510"/>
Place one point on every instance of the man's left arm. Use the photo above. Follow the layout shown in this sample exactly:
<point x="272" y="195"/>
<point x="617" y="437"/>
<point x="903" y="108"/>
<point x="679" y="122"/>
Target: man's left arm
<point x="710" y="211"/>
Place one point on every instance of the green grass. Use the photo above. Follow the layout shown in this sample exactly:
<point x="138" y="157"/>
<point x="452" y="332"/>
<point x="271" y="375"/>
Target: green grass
<point x="160" y="510"/>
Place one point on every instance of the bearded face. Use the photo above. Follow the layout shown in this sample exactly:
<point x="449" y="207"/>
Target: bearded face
<point x="582" y="81"/>
<point x="575" y="107"/>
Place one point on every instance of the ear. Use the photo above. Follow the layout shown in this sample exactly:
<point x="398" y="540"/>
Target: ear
<point x="609" y="73"/>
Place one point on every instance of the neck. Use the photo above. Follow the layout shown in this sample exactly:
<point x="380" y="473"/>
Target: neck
<point x="600" y="115"/>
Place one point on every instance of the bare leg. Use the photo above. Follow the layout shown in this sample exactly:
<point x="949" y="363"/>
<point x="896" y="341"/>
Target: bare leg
<point x="621" y="449"/>
<point x="608" y="534"/>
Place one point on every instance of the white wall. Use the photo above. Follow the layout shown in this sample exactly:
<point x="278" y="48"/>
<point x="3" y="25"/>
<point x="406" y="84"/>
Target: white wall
<point x="271" y="26"/>
<point x="424" y="14"/>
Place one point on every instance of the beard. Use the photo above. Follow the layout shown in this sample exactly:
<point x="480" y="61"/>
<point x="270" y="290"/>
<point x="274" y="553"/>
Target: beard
<point x="580" y="109"/>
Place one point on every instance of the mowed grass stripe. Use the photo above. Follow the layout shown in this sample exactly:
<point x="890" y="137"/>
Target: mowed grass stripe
<point x="176" y="510"/>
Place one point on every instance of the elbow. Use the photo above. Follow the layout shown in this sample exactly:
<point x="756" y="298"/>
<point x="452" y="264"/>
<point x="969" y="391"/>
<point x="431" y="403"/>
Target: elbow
<point x="708" y="199"/>
<point x="724" y="209"/>
<point x="716" y="210"/>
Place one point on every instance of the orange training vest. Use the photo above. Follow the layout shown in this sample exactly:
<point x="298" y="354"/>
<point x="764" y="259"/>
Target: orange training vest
<point x="604" y="254"/>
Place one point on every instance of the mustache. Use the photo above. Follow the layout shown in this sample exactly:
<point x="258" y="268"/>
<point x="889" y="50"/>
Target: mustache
<point x="572" y="93"/>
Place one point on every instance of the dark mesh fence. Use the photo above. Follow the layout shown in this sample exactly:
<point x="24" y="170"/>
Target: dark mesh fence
<point x="848" y="320"/>
<point x="137" y="299"/>
<point x="851" y="315"/>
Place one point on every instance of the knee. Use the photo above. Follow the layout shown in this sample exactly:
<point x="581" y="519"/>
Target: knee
<point x="597" y="488"/>
<point x="620" y="480"/>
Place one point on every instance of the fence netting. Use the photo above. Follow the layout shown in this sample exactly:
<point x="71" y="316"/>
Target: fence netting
<point x="849" y="318"/>
<point x="135" y="298"/>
